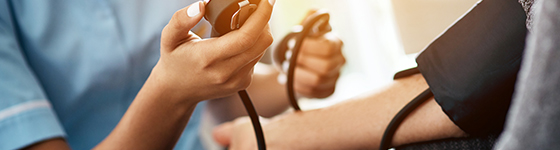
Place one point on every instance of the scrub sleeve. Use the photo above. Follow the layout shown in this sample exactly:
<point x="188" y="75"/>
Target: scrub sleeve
<point x="472" y="67"/>
<point x="26" y="116"/>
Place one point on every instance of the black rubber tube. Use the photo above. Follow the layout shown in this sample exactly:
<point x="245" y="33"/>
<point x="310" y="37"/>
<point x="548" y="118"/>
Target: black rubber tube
<point x="397" y="120"/>
<point x="254" y="118"/>
<point x="295" y="52"/>
<point x="218" y="13"/>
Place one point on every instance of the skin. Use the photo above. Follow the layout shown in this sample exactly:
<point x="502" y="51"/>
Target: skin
<point x="316" y="74"/>
<point x="189" y="63"/>
<point x="356" y="124"/>
<point x="190" y="70"/>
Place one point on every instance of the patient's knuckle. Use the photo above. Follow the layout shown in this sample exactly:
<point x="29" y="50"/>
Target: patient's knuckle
<point x="317" y="80"/>
<point x="339" y="43"/>
<point x="329" y="66"/>
<point x="323" y="93"/>
<point x="333" y="50"/>
<point x="342" y="59"/>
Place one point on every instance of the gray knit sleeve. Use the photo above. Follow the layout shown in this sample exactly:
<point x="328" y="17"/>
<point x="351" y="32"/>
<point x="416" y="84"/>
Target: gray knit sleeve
<point x="528" y="7"/>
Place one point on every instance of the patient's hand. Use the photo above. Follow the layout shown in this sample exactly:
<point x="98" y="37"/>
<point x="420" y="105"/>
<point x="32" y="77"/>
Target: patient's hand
<point x="238" y="134"/>
<point x="294" y="131"/>
<point x="318" y="67"/>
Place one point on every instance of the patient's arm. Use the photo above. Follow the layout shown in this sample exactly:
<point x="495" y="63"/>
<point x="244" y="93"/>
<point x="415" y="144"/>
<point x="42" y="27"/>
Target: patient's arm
<point x="356" y="124"/>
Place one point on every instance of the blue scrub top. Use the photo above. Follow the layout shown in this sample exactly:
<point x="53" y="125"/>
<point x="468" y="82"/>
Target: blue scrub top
<point x="71" y="68"/>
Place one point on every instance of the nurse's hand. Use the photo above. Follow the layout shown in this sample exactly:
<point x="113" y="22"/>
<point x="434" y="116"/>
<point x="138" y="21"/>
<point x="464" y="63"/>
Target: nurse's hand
<point x="189" y="70"/>
<point x="195" y="69"/>
<point x="318" y="66"/>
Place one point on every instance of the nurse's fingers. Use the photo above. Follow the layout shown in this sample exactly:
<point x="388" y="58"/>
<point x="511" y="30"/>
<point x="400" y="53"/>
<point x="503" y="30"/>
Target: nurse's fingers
<point x="177" y="31"/>
<point x="257" y="50"/>
<point x="241" y="40"/>
<point x="259" y="19"/>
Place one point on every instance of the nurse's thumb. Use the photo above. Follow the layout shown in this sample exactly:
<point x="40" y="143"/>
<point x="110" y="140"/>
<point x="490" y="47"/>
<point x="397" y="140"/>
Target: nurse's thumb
<point x="177" y="30"/>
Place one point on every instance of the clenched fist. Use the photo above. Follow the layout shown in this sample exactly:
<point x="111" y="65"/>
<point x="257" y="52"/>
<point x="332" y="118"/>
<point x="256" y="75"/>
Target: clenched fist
<point x="318" y="66"/>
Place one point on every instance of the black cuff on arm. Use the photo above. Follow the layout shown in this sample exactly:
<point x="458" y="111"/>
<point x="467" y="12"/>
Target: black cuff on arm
<point x="472" y="67"/>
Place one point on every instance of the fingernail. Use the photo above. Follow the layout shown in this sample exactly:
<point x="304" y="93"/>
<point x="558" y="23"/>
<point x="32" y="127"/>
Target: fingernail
<point x="272" y="2"/>
<point x="194" y="10"/>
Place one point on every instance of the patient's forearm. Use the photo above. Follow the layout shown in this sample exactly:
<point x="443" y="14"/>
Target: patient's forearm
<point x="360" y="123"/>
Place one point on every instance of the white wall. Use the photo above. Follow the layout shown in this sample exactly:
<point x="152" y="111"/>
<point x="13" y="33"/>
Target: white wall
<point x="372" y="43"/>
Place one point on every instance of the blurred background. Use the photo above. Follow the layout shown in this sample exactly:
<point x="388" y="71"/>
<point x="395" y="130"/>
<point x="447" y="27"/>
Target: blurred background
<point x="381" y="37"/>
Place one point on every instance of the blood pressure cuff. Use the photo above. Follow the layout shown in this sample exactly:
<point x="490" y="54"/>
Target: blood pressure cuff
<point x="472" y="67"/>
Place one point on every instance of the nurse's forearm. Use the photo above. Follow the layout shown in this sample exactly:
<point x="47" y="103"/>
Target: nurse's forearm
<point x="148" y="124"/>
<point x="268" y="96"/>
<point x="154" y="120"/>
<point x="55" y="143"/>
